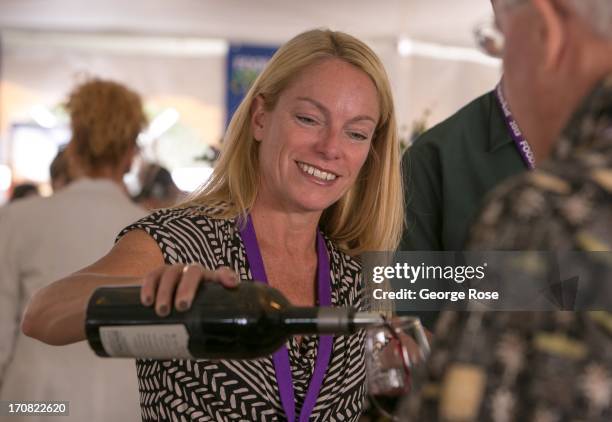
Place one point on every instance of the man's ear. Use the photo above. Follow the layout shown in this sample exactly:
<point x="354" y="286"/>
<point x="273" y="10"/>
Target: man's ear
<point x="258" y="117"/>
<point x="553" y="15"/>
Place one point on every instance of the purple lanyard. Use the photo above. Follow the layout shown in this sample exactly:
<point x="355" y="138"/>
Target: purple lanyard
<point x="520" y="141"/>
<point x="282" y="367"/>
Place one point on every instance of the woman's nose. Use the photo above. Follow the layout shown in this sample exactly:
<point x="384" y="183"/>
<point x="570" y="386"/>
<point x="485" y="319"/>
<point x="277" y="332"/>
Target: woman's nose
<point x="330" y="144"/>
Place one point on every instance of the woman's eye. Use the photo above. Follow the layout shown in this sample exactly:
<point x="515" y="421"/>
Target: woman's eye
<point x="307" y="120"/>
<point x="358" y="136"/>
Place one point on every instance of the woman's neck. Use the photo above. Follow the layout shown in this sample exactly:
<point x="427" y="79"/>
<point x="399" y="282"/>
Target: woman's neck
<point x="283" y="232"/>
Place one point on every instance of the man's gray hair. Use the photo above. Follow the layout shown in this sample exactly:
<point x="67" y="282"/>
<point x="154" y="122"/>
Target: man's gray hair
<point x="598" y="13"/>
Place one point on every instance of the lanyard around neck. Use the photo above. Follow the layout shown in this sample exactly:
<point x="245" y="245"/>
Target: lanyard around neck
<point x="515" y="132"/>
<point x="282" y="366"/>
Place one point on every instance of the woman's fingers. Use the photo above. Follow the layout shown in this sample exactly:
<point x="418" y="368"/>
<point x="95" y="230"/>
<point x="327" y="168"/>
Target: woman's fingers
<point x="195" y="274"/>
<point x="166" y="288"/>
<point x="177" y="285"/>
<point x="148" y="290"/>
<point x="192" y="275"/>
<point x="225" y="276"/>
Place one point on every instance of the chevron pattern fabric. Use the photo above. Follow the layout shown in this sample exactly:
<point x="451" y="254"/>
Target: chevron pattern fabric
<point x="246" y="390"/>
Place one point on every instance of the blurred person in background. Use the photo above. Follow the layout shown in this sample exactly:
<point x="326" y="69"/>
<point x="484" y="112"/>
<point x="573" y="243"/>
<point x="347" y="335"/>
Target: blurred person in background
<point x="158" y="189"/>
<point x="42" y="239"/>
<point x="59" y="171"/>
<point x="24" y="190"/>
<point x="540" y="366"/>
<point x="451" y="167"/>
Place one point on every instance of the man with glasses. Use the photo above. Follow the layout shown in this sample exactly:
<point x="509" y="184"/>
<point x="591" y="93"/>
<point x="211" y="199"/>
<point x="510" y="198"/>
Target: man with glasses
<point x="452" y="166"/>
<point x="540" y="366"/>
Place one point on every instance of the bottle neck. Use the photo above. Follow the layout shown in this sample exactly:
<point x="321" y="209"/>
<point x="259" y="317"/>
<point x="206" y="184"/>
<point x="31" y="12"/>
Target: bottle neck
<point x="326" y="320"/>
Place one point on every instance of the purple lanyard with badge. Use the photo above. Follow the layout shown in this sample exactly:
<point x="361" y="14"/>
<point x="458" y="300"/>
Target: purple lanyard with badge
<point x="520" y="141"/>
<point x="282" y="367"/>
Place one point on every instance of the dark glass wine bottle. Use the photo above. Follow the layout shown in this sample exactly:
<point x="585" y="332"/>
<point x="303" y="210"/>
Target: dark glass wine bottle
<point x="249" y="321"/>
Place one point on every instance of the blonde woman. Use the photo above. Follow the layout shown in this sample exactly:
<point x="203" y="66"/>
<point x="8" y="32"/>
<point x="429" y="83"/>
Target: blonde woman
<point x="310" y="171"/>
<point x="42" y="239"/>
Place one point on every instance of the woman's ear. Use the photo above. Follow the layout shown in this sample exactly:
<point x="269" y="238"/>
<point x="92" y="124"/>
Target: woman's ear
<point x="553" y="15"/>
<point x="258" y="117"/>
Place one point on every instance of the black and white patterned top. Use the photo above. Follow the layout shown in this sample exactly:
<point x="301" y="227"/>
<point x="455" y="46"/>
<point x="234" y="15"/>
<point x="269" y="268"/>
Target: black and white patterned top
<point x="246" y="390"/>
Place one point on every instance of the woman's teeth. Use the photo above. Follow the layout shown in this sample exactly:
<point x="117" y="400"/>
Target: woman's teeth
<point x="319" y="174"/>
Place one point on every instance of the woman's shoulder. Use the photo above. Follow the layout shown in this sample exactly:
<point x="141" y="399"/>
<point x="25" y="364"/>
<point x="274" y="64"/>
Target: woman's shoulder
<point x="187" y="234"/>
<point x="191" y="219"/>
<point x="198" y="214"/>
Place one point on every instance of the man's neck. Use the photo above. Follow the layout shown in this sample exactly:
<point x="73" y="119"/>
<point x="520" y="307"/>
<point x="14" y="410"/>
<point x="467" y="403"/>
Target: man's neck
<point x="549" y="111"/>
<point x="543" y="114"/>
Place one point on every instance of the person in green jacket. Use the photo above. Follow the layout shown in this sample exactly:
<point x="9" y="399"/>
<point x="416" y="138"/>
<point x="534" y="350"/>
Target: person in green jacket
<point x="448" y="171"/>
<point x="451" y="167"/>
<point x="541" y="366"/>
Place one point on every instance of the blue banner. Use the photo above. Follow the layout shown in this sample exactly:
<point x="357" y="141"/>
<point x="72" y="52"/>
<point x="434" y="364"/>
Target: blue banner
<point x="244" y="64"/>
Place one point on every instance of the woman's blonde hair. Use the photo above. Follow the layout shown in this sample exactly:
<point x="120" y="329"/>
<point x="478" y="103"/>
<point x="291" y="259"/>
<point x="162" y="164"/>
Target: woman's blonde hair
<point x="106" y="118"/>
<point x="370" y="215"/>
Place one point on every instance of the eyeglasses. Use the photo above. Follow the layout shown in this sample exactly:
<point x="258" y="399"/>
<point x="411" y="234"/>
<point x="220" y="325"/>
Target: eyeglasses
<point x="489" y="38"/>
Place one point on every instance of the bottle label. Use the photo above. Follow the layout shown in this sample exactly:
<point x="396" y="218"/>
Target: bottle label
<point x="146" y="341"/>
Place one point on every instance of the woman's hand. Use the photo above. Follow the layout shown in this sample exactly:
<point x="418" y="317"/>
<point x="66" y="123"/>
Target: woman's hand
<point x="179" y="283"/>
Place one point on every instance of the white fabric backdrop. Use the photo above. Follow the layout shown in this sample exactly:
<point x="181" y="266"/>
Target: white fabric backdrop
<point x="195" y="86"/>
<point x="37" y="69"/>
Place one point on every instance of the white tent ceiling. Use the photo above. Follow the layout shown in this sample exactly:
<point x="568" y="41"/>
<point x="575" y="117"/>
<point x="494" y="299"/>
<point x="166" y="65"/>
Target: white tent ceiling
<point x="173" y="51"/>
<point x="273" y="21"/>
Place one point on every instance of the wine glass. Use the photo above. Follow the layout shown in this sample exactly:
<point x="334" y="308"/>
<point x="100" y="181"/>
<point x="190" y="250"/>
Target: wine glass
<point x="393" y="350"/>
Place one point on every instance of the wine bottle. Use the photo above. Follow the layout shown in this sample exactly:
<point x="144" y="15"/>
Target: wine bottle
<point x="249" y="321"/>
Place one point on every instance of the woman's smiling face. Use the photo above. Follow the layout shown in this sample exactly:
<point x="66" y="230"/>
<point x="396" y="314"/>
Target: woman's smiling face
<point x="316" y="139"/>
